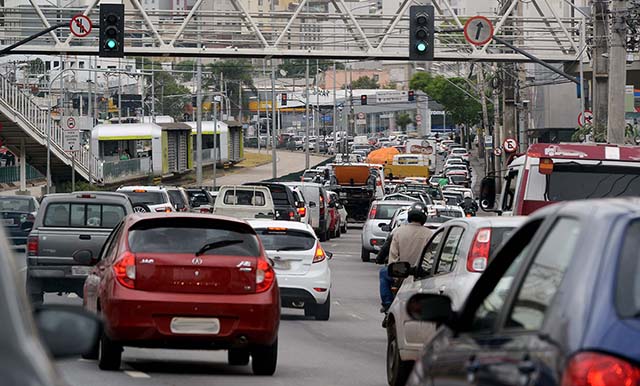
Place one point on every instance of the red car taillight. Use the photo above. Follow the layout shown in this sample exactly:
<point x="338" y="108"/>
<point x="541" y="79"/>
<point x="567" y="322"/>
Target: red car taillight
<point x="265" y="276"/>
<point x="204" y="210"/>
<point x="319" y="255"/>
<point x="32" y="245"/>
<point x="372" y="212"/>
<point x="479" y="252"/>
<point x="292" y="215"/>
<point x="125" y="269"/>
<point x="595" y="369"/>
<point x="302" y="212"/>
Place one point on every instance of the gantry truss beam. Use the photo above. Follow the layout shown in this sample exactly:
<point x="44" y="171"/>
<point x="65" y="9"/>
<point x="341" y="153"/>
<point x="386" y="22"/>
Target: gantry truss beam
<point x="330" y="29"/>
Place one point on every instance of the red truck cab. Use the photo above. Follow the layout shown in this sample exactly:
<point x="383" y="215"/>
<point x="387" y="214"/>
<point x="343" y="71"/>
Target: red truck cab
<point x="549" y="173"/>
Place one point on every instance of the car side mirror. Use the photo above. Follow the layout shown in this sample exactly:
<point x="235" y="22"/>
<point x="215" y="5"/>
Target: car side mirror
<point x="431" y="308"/>
<point x="84" y="257"/>
<point x="329" y="254"/>
<point x="488" y="194"/>
<point x="400" y="269"/>
<point x="67" y="330"/>
<point x="312" y="204"/>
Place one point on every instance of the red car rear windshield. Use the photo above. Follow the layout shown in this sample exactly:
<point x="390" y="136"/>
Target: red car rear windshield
<point x="190" y="235"/>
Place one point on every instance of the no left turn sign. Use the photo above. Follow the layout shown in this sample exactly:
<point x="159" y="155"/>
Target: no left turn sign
<point x="80" y="25"/>
<point x="585" y="118"/>
<point x="510" y="145"/>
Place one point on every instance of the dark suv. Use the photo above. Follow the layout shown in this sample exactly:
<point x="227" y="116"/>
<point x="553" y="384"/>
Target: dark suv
<point x="284" y="200"/>
<point x="66" y="224"/>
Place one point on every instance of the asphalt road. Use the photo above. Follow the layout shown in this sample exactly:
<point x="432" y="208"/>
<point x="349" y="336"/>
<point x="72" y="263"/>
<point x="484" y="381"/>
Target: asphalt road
<point x="349" y="349"/>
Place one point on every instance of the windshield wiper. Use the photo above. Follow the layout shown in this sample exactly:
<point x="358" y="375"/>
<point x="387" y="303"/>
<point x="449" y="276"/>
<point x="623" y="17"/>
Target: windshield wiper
<point x="216" y="245"/>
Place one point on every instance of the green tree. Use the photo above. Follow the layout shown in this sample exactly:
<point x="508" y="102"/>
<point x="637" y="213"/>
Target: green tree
<point x="452" y="94"/>
<point x="364" y="82"/>
<point x="235" y="73"/>
<point x="171" y="96"/>
<point x="403" y="120"/>
<point x="186" y="65"/>
<point x="295" y="68"/>
<point x="36" y="66"/>
<point x="390" y="86"/>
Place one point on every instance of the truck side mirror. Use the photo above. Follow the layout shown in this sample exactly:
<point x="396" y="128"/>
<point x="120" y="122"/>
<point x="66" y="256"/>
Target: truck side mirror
<point x="488" y="193"/>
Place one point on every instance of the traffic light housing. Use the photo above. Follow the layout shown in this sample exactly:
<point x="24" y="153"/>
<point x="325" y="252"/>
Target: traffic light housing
<point x="412" y="96"/>
<point x="421" y="32"/>
<point x="111" y="30"/>
<point x="283" y="99"/>
<point x="363" y="100"/>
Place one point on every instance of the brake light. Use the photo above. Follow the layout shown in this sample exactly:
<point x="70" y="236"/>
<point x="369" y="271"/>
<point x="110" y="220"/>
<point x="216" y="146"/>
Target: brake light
<point x="86" y="196"/>
<point x="595" y="369"/>
<point x="302" y="212"/>
<point x="204" y="210"/>
<point x="321" y="205"/>
<point x="165" y="209"/>
<point x="372" y="212"/>
<point x="264" y="276"/>
<point x="319" y="255"/>
<point x="32" y="245"/>
<point x="292" y="215"/>
<point x="125" y="269"/>
<point x="139" y="191"/>
<point x="479" y="252"/>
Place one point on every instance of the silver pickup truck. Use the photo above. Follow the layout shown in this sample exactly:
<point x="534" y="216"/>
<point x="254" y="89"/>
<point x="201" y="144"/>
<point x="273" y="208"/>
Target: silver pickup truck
<point x="65" y="224"/>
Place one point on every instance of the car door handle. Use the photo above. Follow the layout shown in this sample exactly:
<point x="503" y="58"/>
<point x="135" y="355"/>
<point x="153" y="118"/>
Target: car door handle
<point x="85" y="237"/>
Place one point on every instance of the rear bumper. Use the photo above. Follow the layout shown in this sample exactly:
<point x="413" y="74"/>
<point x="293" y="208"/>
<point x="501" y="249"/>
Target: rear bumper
<point x="142" y="318"/>
<point x="54" y="279"/>
<point x="296" y="288"/>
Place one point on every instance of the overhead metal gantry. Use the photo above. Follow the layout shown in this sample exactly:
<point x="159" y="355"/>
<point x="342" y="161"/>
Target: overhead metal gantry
<point x="314" y="29"/>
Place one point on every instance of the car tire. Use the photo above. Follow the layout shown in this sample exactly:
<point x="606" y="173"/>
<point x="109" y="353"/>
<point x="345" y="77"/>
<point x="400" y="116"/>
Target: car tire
<point x="338" y="232"/>
<point x="344" y="228"/>
<point x="324" y="236"/>
<point x="323" y="311"/>
<point x="141" y="208"/>
<point x="365" y="255"/>
<point x="238" y="356"/>
<point x="264" y="359"/>
<point x="398" y="371"/>
<point x="109" y="354"/>
<point x="34" y="289"/>
<point x="94" y="353"/>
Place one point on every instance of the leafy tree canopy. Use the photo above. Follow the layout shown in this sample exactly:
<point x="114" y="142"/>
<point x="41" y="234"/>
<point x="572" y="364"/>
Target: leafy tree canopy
<point x="364" y="82"/>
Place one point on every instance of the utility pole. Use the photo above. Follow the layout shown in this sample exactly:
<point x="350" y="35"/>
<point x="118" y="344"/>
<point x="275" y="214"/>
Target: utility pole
<point x="306" y="116"/>
<point x="119" y="91"/>
<point x="199" y="124"/>
<point x="497" y="132"/>
<point x="485" y="117"/>
<point x="215" y="143"/>
<point x="335" y="128"/>
<point x="617" y="72"/>
<point x="316" y="120"/>
<point x="600" y="63"/>
<point x="274" y="158"/>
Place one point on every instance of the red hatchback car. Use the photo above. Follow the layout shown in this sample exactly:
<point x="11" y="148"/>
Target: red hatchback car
<point x="188" y="281"/>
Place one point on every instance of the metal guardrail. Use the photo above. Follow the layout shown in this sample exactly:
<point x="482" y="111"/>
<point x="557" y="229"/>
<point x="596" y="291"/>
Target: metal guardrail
<point x="117" y="170"/>
<point x="36" y="121"/>
<point x="10" y="174"/>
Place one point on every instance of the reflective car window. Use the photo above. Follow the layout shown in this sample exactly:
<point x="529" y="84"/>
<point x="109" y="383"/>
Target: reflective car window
<point x="628" y="283"/>
<point x="450" y="251"/>
<point x="544" y="276"/>
<point x="426" y="263"/>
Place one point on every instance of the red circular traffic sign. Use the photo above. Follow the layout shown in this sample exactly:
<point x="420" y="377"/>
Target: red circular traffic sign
<point x="71" y="123"/>
<point x="585" y="117"/>
<point x="80" y="25"/>
<point x="478" y="30"/>
<point x="510" y="145"/>
<point x="497" y="152"/>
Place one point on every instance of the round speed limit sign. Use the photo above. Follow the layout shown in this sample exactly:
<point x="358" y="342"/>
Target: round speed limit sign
<point x="497" y="152"/>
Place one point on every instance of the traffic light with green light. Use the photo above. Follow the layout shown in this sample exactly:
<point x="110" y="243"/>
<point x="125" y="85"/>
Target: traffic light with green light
<point x="111" y="30"/>
<point x="422" y="31"/>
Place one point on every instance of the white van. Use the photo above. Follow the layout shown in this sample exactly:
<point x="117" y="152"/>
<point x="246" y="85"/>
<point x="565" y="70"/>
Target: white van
<point x="245" y="202"/>
<point x="317" y="199"/>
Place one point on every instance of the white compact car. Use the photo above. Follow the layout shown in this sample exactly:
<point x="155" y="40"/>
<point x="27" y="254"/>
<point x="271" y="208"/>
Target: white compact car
<point x="301" y="265"/>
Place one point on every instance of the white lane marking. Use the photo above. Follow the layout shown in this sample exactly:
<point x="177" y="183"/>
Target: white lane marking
<point x="85" y="360"/>
<point x="137" y="374"/>
<point x="357" y="316"/>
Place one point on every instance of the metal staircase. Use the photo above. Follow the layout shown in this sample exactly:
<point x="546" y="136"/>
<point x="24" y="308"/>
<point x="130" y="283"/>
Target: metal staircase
<point x="24" y="122"/>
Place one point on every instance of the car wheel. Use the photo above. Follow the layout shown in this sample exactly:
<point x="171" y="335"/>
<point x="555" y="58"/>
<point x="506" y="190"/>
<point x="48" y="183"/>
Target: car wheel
<point x="365" y="255"/>
<point x="323" y="311"/>
<point x="397" y="370"/>
<point x="94" y="354"/>
<point x="264" y="359"/>
<point x="324" y="236"/>
<point x="109" y="354"/>
<point x="141" y="208"/>
<point x="34" y="289"/>
<point x="238" y="357"/>
<point x="344" y="228"/>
